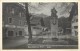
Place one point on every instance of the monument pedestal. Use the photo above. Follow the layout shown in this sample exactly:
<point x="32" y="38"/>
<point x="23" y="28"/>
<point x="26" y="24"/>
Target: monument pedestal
<point x="47" y="40"/>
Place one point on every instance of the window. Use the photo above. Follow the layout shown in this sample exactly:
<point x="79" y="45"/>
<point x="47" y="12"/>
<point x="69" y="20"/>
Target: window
<point x="75" y="27"/>
<point x="20" y="22"/>
<point x="20" y="33"/>
<point x="10" y="33"/>
<point x="76" y="32"/>
<point x="12" y="11"/>
<point x="16" y="33"/>
<point x="7" y="9"/>
<point x="20" y="14"/>
<point x="73" y="21"/>
<point x="10" y="20"/>
<point x="76" y="20"/>
<point x="25" y="23"/>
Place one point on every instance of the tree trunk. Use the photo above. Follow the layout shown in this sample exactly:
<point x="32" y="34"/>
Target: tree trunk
<point x="28" y="23"/>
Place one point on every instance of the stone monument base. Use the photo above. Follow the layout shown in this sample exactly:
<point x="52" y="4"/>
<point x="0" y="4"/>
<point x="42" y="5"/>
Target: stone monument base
<point x="47" y="40"/>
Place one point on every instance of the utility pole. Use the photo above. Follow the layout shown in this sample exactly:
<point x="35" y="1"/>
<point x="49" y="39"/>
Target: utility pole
<point x="28" y="23"/>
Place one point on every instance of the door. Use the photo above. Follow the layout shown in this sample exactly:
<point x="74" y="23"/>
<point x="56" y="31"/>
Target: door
<point x="20" y="33"/>
<point x="10" y="33"/>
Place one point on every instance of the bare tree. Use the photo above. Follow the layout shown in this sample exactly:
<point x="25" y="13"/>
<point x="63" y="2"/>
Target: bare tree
<point x="28" y="22"/>
<point x="74" y="11"/>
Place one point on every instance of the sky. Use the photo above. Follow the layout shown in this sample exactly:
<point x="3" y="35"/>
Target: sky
<point x="62" y="9"/>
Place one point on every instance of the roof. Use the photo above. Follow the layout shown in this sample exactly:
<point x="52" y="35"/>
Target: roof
<point x="35" y="20"/>
<point x="15" y="5"/>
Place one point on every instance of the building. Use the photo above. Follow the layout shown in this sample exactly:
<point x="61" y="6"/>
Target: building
<point x="74" y="20"/>
<point x="36" y="25"/>
<point x="74" y="25"/>
<point x="14" y="20"/>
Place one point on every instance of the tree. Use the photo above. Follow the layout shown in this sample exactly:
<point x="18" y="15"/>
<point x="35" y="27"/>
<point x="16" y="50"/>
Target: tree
<point x="42" y="22"/>
<point x="74" y="11"/>
<point x="64" y="23"/>
<point x="28" y="22"/>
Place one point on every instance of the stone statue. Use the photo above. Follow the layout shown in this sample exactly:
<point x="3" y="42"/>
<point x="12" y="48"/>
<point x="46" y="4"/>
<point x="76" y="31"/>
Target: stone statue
<point x="53" y="12"/>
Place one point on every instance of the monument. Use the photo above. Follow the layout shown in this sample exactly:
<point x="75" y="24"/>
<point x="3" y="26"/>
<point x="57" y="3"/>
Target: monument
<point x="54" y="27"/>
<point x="54" y="23"/>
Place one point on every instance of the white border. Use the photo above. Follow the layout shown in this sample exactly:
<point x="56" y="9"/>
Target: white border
<point x="37" y="1"/>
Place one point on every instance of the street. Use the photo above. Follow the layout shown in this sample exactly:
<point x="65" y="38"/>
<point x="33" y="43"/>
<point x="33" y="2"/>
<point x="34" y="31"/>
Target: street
<point x="14" y="42"/>
<point x="22" y="43"/>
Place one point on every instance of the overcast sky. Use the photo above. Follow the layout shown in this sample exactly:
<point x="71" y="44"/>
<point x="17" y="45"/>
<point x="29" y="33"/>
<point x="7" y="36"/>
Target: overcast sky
<point x="63" y="9"/>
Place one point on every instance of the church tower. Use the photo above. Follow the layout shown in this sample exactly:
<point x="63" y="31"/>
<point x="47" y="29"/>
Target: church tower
<point x="54" y="23"/>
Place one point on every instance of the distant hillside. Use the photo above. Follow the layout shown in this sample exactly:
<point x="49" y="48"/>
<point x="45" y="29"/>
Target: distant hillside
<point x="39" y="15"/>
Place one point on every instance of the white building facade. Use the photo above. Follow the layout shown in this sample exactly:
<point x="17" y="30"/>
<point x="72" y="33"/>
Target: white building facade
<point x="74" y="25"/>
